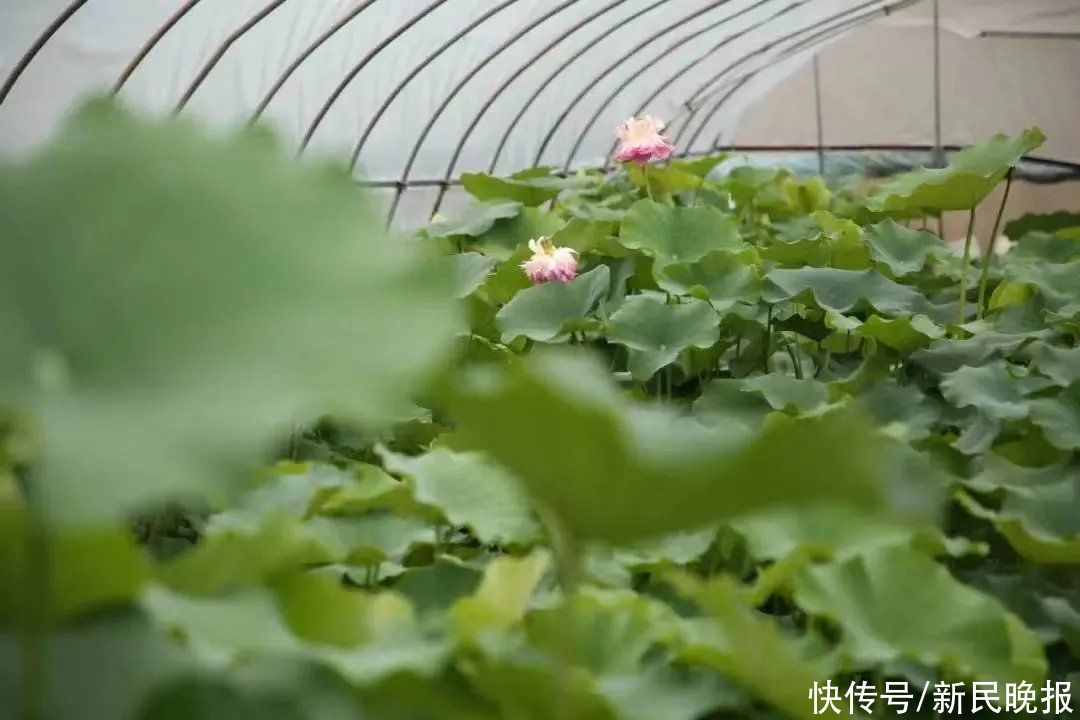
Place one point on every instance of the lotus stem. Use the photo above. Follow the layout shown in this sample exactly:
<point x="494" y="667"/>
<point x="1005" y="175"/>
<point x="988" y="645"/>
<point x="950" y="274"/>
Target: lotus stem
<point x="768" y="343"/>
<point x="966" y="263"/>
<point x="989" y="257"/>
<point x="32" y="666"/>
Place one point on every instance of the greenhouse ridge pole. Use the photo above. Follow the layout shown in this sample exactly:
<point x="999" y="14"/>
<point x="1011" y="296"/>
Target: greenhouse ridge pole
<point x="817" y="114"/>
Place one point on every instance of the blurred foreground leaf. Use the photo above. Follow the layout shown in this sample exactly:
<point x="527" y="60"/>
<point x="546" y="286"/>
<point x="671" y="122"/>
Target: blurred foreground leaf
<point x="165" y="319"/>
<point x="616" y="471"/>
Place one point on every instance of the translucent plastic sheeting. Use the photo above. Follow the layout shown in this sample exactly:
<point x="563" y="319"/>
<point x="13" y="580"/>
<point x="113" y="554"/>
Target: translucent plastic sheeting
<point x="414" y="92"/>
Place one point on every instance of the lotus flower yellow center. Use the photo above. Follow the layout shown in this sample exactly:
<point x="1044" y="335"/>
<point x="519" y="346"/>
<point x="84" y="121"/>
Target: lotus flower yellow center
<point x="642" y="140"/>
<point x="549" y="262"/>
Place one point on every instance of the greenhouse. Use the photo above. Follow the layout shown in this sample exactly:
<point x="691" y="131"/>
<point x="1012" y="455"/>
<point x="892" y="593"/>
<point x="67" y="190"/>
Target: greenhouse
<point x="522" y="360"/>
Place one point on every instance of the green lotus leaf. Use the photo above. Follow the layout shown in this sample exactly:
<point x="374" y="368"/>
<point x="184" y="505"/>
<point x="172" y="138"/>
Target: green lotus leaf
<point x="656" y="332"/>
<point x="1038" y="519"/>
<point x="1040" y="222"/>
<point x="472" y="270"/>
<point x="605" y="489"/>
<point x="1057" y="247"/>
<point x="368" y="539"/>
<point x="165" y="322"/>
<point x="527" y="684"/>
<point x="88" y="570"/>
<point x="588" y="236"/>
<point x="812" y="249"/>
<point x="508" y="280"/>
<point x="1055" y="282"/>
<point x="530" y="191"/>
<point x="607" y="631"/>
<point x="503" y="596"/>
<point x="948" y="355"/>
<point x="670" y="692"/>
<point x="549" y="312"/>
<point x="970" y="176"/>
<point x="1062" y="365"/>
<point x="724" y="401"/>
<point x="700" y="166"/>
<point x="903" y="334"/>
<point x="893" y="604"/>
<point x="784" y="392"/>
<point x="748" y="647"/>
<point x="433" y="589"/>
<point x="241" y="549"/>
<point x="835" y="533"/>
<point x="678" y="234"/>
<point x="249" y="623"/>
<point x="722" y="278"/>
<point x="844" y="290"/>
<point x="478" y="219"/>
<point x="1059" y="417"/>
<point x="469" y="490"/>
<point x="902" y="409"/>
<point x="505" y="236"/>
<point x="660" y="179"/>
<point x="994" y="389"/>
<point x="904" y="250"/>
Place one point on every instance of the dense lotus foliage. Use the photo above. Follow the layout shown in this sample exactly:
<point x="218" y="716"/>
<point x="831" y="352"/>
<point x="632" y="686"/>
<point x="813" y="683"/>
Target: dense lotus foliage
<point x="260" y="460"/>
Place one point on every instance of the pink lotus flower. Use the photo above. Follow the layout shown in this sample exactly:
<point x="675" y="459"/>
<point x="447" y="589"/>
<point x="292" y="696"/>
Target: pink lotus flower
<point x="549" y="262"/>
<point x="642" y="141"/>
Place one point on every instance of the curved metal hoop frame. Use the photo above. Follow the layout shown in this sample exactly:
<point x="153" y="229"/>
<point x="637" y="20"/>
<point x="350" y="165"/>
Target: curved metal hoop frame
<point x="601" y="106"/>
<point x="460" y="147"/>
<point x="453" y="93"/>
<point x="674" y="77"/>
<point x="430" y="58"/>
<point x="701" y="107"/>
<point x="692" y="102"/>
<point x="39" y="43"/>
<point x="565" y="64"/>
<point x="303" y="56"/>
<point x="151" y="43"/>
<point x="613" y="66"/>
<point x="819" y="35"/>
<point x="222" y="49"/>
<point x="358" y="68"/>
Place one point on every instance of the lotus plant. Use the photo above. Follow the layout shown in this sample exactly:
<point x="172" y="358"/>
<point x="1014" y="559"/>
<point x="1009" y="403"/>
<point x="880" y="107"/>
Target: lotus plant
<point x="549" y="262"/>
<point x="642" y="140"/>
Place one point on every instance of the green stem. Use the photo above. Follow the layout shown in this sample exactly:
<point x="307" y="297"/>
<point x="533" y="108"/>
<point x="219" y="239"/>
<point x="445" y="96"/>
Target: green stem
<point x="966" y="263"/>
<point x="989" y="256"/>
<point x="823" y="365"/>
<point x="294" y="441"/>
<point x="648" y="183"/>
<point x="796" y="364"/>
<point x="768" y="342"/>
<point x="35" y="608"/>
